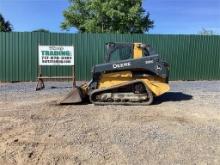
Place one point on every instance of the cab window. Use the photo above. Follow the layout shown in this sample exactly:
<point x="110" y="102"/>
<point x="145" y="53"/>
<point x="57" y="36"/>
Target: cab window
<point x="122" y="53"/>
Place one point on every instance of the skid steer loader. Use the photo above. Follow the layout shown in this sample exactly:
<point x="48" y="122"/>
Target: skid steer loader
<point x="133" y="74"/>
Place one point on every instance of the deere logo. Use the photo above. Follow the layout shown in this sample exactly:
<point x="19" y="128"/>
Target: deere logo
<point x="121" y="65"/>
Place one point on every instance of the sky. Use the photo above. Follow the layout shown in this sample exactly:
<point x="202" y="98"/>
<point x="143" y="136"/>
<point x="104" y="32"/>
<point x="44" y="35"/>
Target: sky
<point x="170" y="16"/>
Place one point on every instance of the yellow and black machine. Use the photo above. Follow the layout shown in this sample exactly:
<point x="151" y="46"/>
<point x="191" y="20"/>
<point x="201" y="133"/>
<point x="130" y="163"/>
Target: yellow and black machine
<point x="133" y="74"/>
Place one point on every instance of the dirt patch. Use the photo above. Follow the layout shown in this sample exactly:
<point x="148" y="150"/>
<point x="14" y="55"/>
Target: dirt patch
<point x="182" y="127"/>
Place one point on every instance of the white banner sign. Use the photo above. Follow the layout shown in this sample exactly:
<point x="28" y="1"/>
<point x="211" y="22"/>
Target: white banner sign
<point x="55" y="55"/>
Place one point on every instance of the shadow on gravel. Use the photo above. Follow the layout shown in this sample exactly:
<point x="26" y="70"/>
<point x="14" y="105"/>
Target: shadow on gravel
<point x="53" y="87"/>
<point x="172" y="96"/>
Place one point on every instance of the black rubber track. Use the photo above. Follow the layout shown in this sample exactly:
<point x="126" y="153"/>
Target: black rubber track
<point x="150" y="95"/>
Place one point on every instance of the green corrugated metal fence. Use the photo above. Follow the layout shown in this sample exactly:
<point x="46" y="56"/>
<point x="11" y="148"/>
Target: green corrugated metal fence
<point x="191" y="57"/>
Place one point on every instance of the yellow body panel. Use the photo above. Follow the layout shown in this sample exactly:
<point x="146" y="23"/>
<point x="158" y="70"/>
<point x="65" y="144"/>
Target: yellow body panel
<point x="155" y="84"/>
<point x="138" y="53"/>
<point x="157" y="87"/>
<point x="112" y="79"/>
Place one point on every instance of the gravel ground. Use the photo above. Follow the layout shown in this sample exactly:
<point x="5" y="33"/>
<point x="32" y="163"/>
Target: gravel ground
<point x="182" y="127"/>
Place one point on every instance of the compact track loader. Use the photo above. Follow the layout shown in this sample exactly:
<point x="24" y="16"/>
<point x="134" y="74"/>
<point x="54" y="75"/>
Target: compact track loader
<point x="133" y="74"/>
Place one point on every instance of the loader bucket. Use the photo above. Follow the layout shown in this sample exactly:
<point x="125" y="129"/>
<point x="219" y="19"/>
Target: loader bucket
<point x="74" y="97"/>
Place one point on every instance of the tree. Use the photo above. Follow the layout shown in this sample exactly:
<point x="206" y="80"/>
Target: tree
<point x="41" y="30"/>
<point x="121" y="16"/>
<point x="5" y="26"/>
<point x="206" y="32"/>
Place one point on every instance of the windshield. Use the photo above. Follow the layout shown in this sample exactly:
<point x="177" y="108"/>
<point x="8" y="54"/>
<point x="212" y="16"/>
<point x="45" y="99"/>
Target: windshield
<point x="121" y="54"/>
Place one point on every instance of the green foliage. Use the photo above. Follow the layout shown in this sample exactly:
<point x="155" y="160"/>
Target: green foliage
<point x="207" y="32"/>
<point x="5" y="26"/>
<point x="121" y="16"/>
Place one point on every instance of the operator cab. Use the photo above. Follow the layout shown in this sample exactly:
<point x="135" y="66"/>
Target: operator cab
<point x="124" y="51"/>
